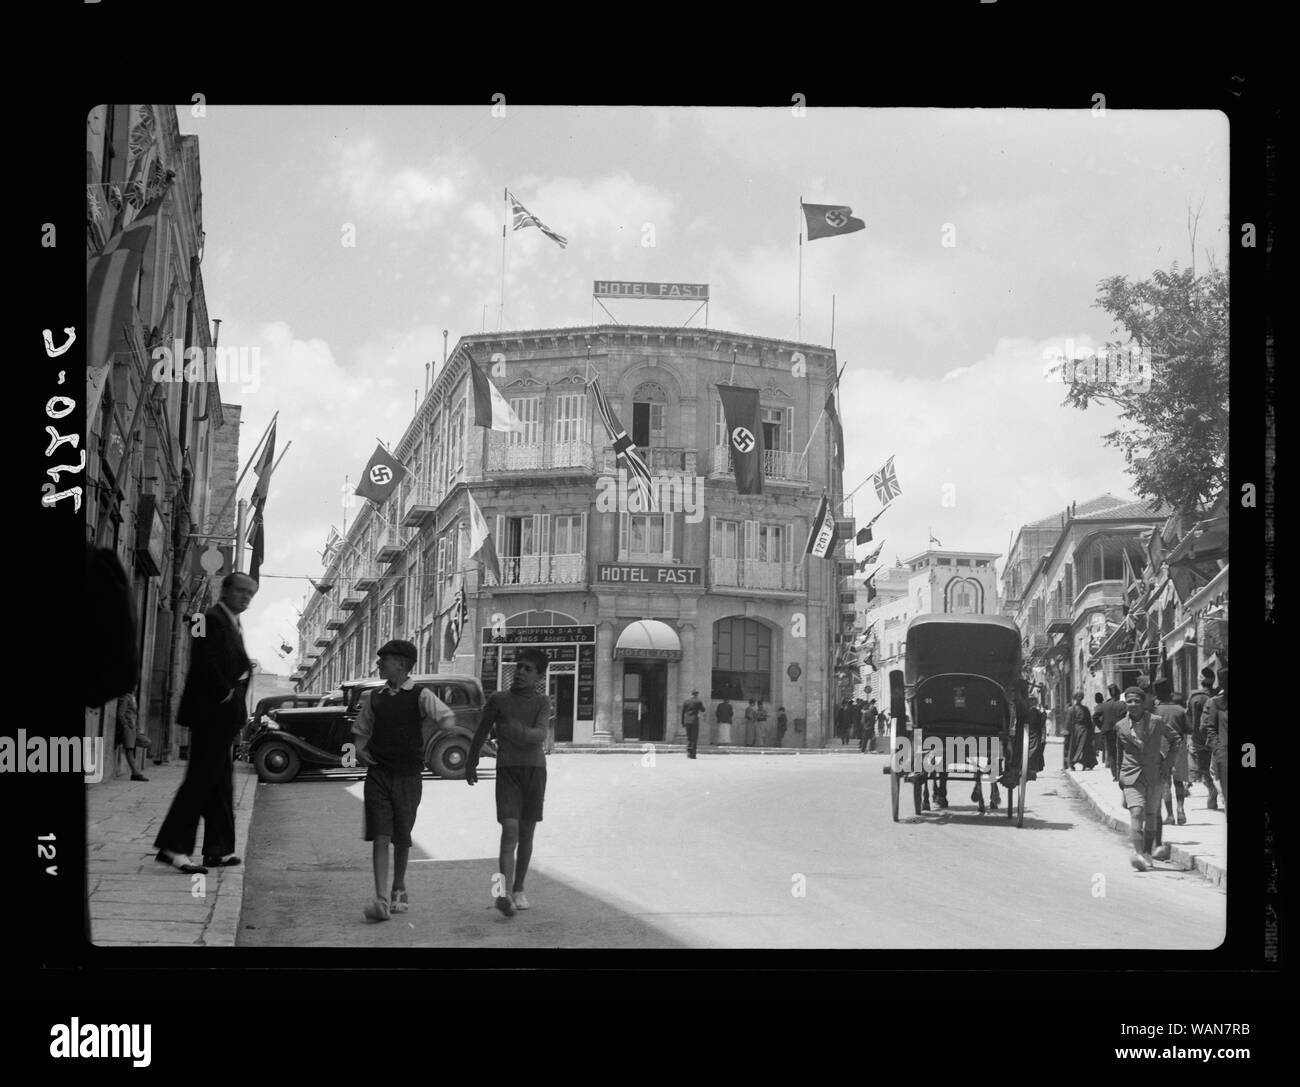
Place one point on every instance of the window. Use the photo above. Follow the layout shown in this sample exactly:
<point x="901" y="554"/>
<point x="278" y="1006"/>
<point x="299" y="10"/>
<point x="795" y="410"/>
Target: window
<point x="725" y="537"/>
<point x="719" y="425"/>
<point x="647" y="536"/>
<point x="770" y="546"/>
<point x="742" y="661"/>
<point x="776" y="428"/>
<point x="456" y="443"/>
<point x="528" y="408"/>
<point x="570" y="418"/>
<point x="570" y="534"/>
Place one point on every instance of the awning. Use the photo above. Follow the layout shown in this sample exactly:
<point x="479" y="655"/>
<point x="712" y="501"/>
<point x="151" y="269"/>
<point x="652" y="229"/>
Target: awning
<point x="1207" y="541"/>
<point x="1206" y="593"/>
<point x="648" y="639"/>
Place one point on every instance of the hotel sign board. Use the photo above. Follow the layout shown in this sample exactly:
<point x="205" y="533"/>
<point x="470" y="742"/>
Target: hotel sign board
<point x="609" y="573"/>
<point x="622" y="288"/>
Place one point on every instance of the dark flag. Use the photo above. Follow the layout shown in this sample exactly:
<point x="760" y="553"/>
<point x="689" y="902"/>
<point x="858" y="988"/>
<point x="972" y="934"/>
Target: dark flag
<point x="864" y="535"/>
<point x="744" y="436"/>
<point x="829" y="220"/>
<point x="257" y="533"/>
<point x="874" y="555"/>
<point x="381" y="477"/>
<point x="256" y="539"/>
<point x="459" y="613"/>
<point x="871" y="588"/>
<point x="321" y="586"/>
<point x="490" y="407"/>
<point x="821" y="533"/>
<point x="837" y="429"/>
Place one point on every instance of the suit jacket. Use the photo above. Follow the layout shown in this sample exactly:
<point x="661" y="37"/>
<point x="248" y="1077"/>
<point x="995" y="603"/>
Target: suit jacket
<point x="1148" y="746"/>
<point x="214" y="693"/>
<point x="1112" y="712"/>
<point x="1177" y="717"/>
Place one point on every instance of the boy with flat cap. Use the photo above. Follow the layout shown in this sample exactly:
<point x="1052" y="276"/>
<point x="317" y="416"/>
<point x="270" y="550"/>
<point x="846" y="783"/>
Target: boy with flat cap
<point x="393" y="725"/>
<point x="1148" y="746"/>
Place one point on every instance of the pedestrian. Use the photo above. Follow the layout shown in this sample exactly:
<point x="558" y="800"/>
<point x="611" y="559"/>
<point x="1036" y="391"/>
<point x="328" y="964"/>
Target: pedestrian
<point x="868" y="726"/>
<point x="212" y="708"/>
<point x="521" y="716"/>
<point x="1203" y="770"/>
<point x="1148" y="745"/>
<point x="1036" y="724"/>
<point x="751" y="722"/>
<point x="394" y="724"/>
<point x="760" y="723"/>
<point x="1111" y="711"/>
<point x="1177" y="781"/>
<point x="1078" y="741"/>
<point x="691" y="711"/>
<point x="843" y="721"/>
<point x="131" y="737"/>
<point x="782" y="722"/>
<point x="1216" y="734"/>
<point x="722" y="716"/>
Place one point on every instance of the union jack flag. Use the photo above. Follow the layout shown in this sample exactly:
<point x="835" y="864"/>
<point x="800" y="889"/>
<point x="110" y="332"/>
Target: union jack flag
<point x="524" y="217"/>
<point x="459" y="613"/>
<point x="638" y="475"/>
<point x="886" y="483"/>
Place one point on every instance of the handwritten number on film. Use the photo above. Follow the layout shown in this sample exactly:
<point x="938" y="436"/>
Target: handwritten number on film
<point x="56" y="408"/>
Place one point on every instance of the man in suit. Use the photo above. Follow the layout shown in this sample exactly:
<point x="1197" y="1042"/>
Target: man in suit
<point x="212" y="708"/>
<point x="1113" y="710"/>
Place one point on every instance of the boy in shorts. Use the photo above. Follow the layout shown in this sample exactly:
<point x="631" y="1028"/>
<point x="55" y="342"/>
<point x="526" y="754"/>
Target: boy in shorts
<point x="393" y="724"/>
<point x="522" y="718"/>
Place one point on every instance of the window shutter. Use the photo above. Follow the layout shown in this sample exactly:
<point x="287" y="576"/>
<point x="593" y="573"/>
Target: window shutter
<point x="583" y="544"/>
<point x="669" y="518"/>
<point x="787" y="531"/>
<point x="719" y="424"/>
<point x="501" y="520"/>
<point x="622" y="536"/>
<point x="442" y="558"/>
<point x="715" y="544"/>
<point x="751" y="540"/>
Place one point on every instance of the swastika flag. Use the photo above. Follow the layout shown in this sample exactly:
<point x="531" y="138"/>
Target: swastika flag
<point x="381" y="477"/>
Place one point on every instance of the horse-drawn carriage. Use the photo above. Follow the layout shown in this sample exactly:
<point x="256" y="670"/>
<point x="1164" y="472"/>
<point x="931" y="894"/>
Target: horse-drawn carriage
<point x="954" y="708"/>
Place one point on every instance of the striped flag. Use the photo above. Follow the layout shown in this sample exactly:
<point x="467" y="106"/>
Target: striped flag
<point x="638" y="474"/>
<point x="490" y="407"/>
<point x="821" y="533"/>
<point x="524" y="217"/>
<point x="110" y="288"/>
<point x="480" y="539"/>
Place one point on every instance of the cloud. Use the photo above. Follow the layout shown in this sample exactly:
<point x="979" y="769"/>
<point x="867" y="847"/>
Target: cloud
<point x="396" y="195"/>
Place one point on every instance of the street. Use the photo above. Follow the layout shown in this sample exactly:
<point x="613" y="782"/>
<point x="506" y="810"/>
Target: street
<point x="726" y="851"/>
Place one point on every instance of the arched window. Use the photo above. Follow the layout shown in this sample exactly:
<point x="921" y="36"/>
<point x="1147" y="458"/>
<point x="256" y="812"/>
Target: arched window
<point x="964" y="595"/>
<point x="742" y="660"/>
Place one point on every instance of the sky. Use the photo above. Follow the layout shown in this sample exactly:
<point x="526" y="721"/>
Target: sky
<point x="945" y="344"/>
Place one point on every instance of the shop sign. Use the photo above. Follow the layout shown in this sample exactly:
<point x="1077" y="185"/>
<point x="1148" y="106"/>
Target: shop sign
<point x="540" y="635"/>
<point x="638" y="653"/>
<point x="608" y="573"/>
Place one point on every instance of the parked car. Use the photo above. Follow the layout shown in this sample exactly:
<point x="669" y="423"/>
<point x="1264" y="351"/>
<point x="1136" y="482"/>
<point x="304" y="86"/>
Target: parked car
<point x="265" y="706"/>
<point x="315" y="736"/>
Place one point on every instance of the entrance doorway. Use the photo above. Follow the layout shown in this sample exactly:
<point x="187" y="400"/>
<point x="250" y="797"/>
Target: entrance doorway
<point x="645" y="685"/>
<point x="560" y="688"/>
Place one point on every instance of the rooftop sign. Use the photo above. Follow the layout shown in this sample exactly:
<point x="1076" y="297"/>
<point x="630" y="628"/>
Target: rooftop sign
<point x="621" y="288"/>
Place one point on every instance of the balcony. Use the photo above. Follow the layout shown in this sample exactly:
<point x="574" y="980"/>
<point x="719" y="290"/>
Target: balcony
<point x="1099" y="594"/>
<point x="351" y="602"/>
<point x="335" y="624"/>
<point x="541" y="570"/>
<point x="324" y="642"/>
<point x="390" y="545"/>
<point x="366" y="580"/>
<point x="751" y="574"/>
<point x="504" y="456"/>
<point x="421" y="504"/>
<point x="778" y="465"/>
<point x="1059" y="617"/>
<point x="661" y="460"/>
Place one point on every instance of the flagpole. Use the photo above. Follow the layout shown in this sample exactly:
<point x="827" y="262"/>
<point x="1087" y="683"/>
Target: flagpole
<point x="732" y="379"/>
<point x="799" y="311"/>
<point x="251" y="461"/>
<point x="832" y="320"/>
<point x="817" y="424"/>
<point x="505" y="198"/>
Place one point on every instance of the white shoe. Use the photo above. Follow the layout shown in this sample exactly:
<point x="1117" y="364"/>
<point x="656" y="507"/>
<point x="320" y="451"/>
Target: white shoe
<point x="521" y="900"/>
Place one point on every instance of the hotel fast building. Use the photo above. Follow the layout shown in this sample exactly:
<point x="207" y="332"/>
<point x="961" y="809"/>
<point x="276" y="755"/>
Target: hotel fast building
<point x="636" y="609"/>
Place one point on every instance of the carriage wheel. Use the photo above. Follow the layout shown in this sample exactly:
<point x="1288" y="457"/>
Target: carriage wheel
<point x="893" y="793"/>
<point x="917" y="786"/>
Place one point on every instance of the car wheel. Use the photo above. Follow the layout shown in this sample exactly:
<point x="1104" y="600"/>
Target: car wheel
<point x="276" y="762"/>
<point x="448" y="758"/>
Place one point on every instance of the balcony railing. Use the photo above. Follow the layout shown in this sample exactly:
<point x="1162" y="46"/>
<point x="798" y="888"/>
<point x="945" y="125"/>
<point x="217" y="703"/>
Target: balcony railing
<point x="777" y="464"/>
<point x="537" y="456"/>
<point x="420" y="504"/>
<point x="367" y="579"/>
<point x="750" y="574"/>
<point x="661" y="460"/>
<point x="1098" y="594"/>
<point x="390" y="544"/>
<point x="542" y="570"/>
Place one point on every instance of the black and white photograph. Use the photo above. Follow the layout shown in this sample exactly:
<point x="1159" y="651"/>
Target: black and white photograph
<point x="651" y="527"/>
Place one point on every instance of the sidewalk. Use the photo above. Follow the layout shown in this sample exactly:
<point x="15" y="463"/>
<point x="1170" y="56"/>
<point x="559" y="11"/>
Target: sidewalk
<point x="134" y="900"/>
<point x="1202" y="843"/>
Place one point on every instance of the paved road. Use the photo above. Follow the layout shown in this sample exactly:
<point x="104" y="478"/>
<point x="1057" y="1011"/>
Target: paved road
<point x="714" y="853"/>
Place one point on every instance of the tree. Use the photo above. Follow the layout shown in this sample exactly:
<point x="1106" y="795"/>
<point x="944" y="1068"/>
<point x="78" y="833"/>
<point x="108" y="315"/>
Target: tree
<point x="1175" y="440"/>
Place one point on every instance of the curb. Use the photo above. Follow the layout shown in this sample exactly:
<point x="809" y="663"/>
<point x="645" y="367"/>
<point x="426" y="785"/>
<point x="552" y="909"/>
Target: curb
<point x="223" y="926"/>
<point x="1211" y="870"/>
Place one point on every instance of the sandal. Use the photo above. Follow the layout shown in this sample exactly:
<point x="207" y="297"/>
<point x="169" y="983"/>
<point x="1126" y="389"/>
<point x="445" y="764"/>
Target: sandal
<point x="399" y="903"/>
<point x="377" y="910"/>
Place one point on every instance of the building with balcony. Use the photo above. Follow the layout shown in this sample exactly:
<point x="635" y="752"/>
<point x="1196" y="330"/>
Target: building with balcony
<point x="708" y="591"/>
<point x="1076" y="596"/>
<point x="160" y="454"/>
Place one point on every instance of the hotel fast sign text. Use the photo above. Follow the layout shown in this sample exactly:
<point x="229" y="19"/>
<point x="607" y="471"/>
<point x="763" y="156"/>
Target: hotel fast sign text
<point x="621" y="288"/>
